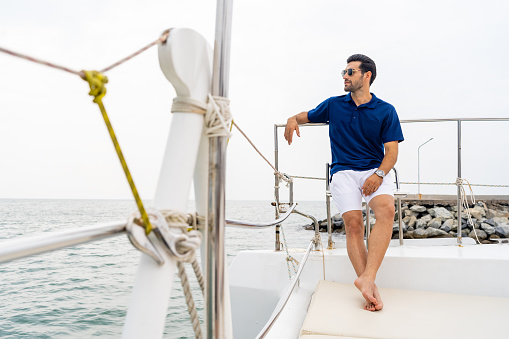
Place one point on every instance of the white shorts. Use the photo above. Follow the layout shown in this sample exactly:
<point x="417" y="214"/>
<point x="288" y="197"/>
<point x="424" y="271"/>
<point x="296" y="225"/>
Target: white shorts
<point x="347" y="193"/>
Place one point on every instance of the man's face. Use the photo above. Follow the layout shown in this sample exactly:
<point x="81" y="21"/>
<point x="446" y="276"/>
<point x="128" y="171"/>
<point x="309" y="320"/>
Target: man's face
<point x="353" y="82"/>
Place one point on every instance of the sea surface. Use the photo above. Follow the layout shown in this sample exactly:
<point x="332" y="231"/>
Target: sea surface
<point x="84" y="291"/>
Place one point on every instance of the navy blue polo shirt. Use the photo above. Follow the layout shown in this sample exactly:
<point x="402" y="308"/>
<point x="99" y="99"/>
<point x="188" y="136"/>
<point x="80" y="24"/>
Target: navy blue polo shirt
<point x="357" y="133"/>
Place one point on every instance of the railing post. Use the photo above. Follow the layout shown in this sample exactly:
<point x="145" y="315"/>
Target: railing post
<point x="215" y="272"/>
<point x="458" y="201"/>
<point x="400" y="217"/>
<point x="368" y="228"/>
<point x="330" y="244"/>
<point x="276" y="190"/>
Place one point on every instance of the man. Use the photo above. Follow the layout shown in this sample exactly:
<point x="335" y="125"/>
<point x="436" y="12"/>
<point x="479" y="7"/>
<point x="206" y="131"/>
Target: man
<point x="361" y="128"/>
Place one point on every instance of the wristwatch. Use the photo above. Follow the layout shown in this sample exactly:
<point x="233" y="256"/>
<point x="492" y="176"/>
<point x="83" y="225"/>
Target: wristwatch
<point x="380" y="173"/>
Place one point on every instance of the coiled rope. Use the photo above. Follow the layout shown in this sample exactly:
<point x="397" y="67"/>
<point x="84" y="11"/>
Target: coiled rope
<point x="186" y="249"/>
<point x="464" y="203"/>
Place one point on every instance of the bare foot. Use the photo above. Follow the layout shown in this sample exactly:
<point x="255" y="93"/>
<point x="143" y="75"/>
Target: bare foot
<point x="380" y="304"/>
<point x="367" y="288"/>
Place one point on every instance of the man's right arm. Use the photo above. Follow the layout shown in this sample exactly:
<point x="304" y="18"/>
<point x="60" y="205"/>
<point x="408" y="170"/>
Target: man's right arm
<point x="293" y="125"/>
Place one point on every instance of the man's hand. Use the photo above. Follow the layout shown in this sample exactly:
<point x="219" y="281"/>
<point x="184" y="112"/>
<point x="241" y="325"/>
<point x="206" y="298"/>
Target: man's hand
<point x="291" y="125"/>
<point x="371" y="184"/>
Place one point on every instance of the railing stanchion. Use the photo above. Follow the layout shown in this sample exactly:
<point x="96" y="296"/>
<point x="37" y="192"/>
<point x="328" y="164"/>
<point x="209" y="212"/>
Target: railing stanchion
<point x="400" y="217"/>
<point x="458" y="201"/>
<point x="330" y="244"/>
<point x="276" y="189"/>
<point x="368" y="228"/>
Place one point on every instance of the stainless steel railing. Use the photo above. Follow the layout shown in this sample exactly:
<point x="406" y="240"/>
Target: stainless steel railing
<point x="23" y="247"/>
<point x="284" y="299"/>
<point x="230" y="222"/>
<point x="458" y="194"/>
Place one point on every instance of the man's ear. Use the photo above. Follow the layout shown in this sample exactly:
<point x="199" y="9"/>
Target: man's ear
<point x="368" y="75"/>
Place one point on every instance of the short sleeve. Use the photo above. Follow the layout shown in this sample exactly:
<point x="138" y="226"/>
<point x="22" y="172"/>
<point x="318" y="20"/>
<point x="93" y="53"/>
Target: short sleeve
<point x="320" y="113"/>
<point x="391" y="127"/>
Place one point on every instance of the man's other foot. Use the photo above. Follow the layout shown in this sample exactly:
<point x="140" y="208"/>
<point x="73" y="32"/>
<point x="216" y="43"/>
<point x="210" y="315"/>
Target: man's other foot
<point x="370" y="293"/>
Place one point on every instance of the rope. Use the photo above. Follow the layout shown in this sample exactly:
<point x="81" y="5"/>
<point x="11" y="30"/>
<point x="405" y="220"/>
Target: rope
<point x="218" y="118"/>
<point x="281" y="176"/>
<point x="289" y="258"/>
<point x="191" y="307"/>
<point x="464" y="203"/>
<point x="301" y="177"/>
<point x="188" y="105"/>
<point x="96" y="82"/>
<point x="448" y="183"/>
<point x="162" y="39"/>
<point x="199" y="275"/>
<point x="39" y="61"/>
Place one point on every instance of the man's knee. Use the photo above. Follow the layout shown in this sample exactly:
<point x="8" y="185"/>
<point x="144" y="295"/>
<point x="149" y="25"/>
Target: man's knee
<point x="383" y="206"/>
<point x="353" y="222"/>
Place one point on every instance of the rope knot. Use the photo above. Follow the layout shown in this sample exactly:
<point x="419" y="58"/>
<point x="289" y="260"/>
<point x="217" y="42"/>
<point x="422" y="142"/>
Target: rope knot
<point x="218" y="118"/>
<point x="96" y="82"/>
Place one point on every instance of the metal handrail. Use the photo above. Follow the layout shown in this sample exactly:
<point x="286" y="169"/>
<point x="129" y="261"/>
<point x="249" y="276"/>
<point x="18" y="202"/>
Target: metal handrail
<point x="282" y="302"/>
<point x="19" y="248"/>
<point x="248" y="224"/>
<point x="457" y="120"/>
<point x="315" y="223"/>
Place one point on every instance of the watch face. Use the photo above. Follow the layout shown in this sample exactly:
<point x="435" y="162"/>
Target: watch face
<point x="380" y="173"/>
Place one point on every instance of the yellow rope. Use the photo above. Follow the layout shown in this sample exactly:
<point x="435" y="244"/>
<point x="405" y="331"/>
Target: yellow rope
<point x="96" y="82"/>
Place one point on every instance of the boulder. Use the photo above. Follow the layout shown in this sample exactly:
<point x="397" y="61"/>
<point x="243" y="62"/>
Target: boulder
<point x="434" y="232"/>
<point x="487" y="228"/>
<point x="435" y="223"/>
<point x="418" y="208"/>
<point x="502" y="231"/>
<point x="491" y="213"/>
<point x="427" y="218"/>
<point x="480" y="234"/>
<point x="473" y="212"/>
<point x="500" y="220"/>
<point x="490" y="222"/>
<point x="448" y="225"/>
<point x="410" y="220"/>
<point x="338" y="223"/>
<point x="419" y="233"/>
<point x="481" y="210"/>
<point x="421" y="223"/>
<point x="337" y="217"/>
<point x="440" y="212"/>
<point x="409" y="213"/>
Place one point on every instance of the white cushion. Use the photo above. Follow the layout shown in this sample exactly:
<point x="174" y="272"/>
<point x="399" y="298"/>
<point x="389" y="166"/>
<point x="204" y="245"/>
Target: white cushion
<point x="337" y="311"/>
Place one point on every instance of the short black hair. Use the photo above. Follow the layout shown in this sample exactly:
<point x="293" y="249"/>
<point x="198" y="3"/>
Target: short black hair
<point x="367" y="64"/>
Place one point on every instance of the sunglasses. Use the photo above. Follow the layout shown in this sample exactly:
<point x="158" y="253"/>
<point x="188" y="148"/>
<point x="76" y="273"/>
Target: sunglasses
<point x="349" y="71"/>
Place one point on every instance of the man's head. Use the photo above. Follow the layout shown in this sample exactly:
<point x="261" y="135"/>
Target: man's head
<point x="360" y="71"/>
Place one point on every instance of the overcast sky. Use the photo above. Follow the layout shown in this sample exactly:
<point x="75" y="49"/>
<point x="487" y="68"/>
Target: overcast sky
<point x="435" y="59"/>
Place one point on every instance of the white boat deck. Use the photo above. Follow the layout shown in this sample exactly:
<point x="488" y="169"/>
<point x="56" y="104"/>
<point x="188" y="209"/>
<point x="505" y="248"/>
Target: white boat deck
<point x="259" y="278"/>
<point x="336" y="312"/>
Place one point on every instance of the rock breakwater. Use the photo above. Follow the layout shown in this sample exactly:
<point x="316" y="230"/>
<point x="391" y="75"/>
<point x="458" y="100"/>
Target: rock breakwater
<point x="422" y="219"/>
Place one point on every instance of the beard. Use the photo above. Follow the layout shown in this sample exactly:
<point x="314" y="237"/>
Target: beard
<point x="353" y="86"/>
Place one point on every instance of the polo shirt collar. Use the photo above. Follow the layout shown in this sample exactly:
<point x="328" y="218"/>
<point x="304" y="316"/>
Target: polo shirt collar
<point x="371" y="104"/>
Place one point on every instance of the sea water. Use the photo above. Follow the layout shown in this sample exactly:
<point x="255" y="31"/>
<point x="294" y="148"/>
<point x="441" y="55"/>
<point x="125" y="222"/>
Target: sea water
<point x="84" y="291"/>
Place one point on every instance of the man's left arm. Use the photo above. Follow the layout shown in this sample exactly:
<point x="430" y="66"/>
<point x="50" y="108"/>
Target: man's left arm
<point x="391" y="156"/>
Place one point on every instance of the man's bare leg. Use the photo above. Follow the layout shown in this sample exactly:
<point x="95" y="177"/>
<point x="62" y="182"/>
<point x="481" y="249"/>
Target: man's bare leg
<point x="356" y="249"/>
<point x="379" y="239"/>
